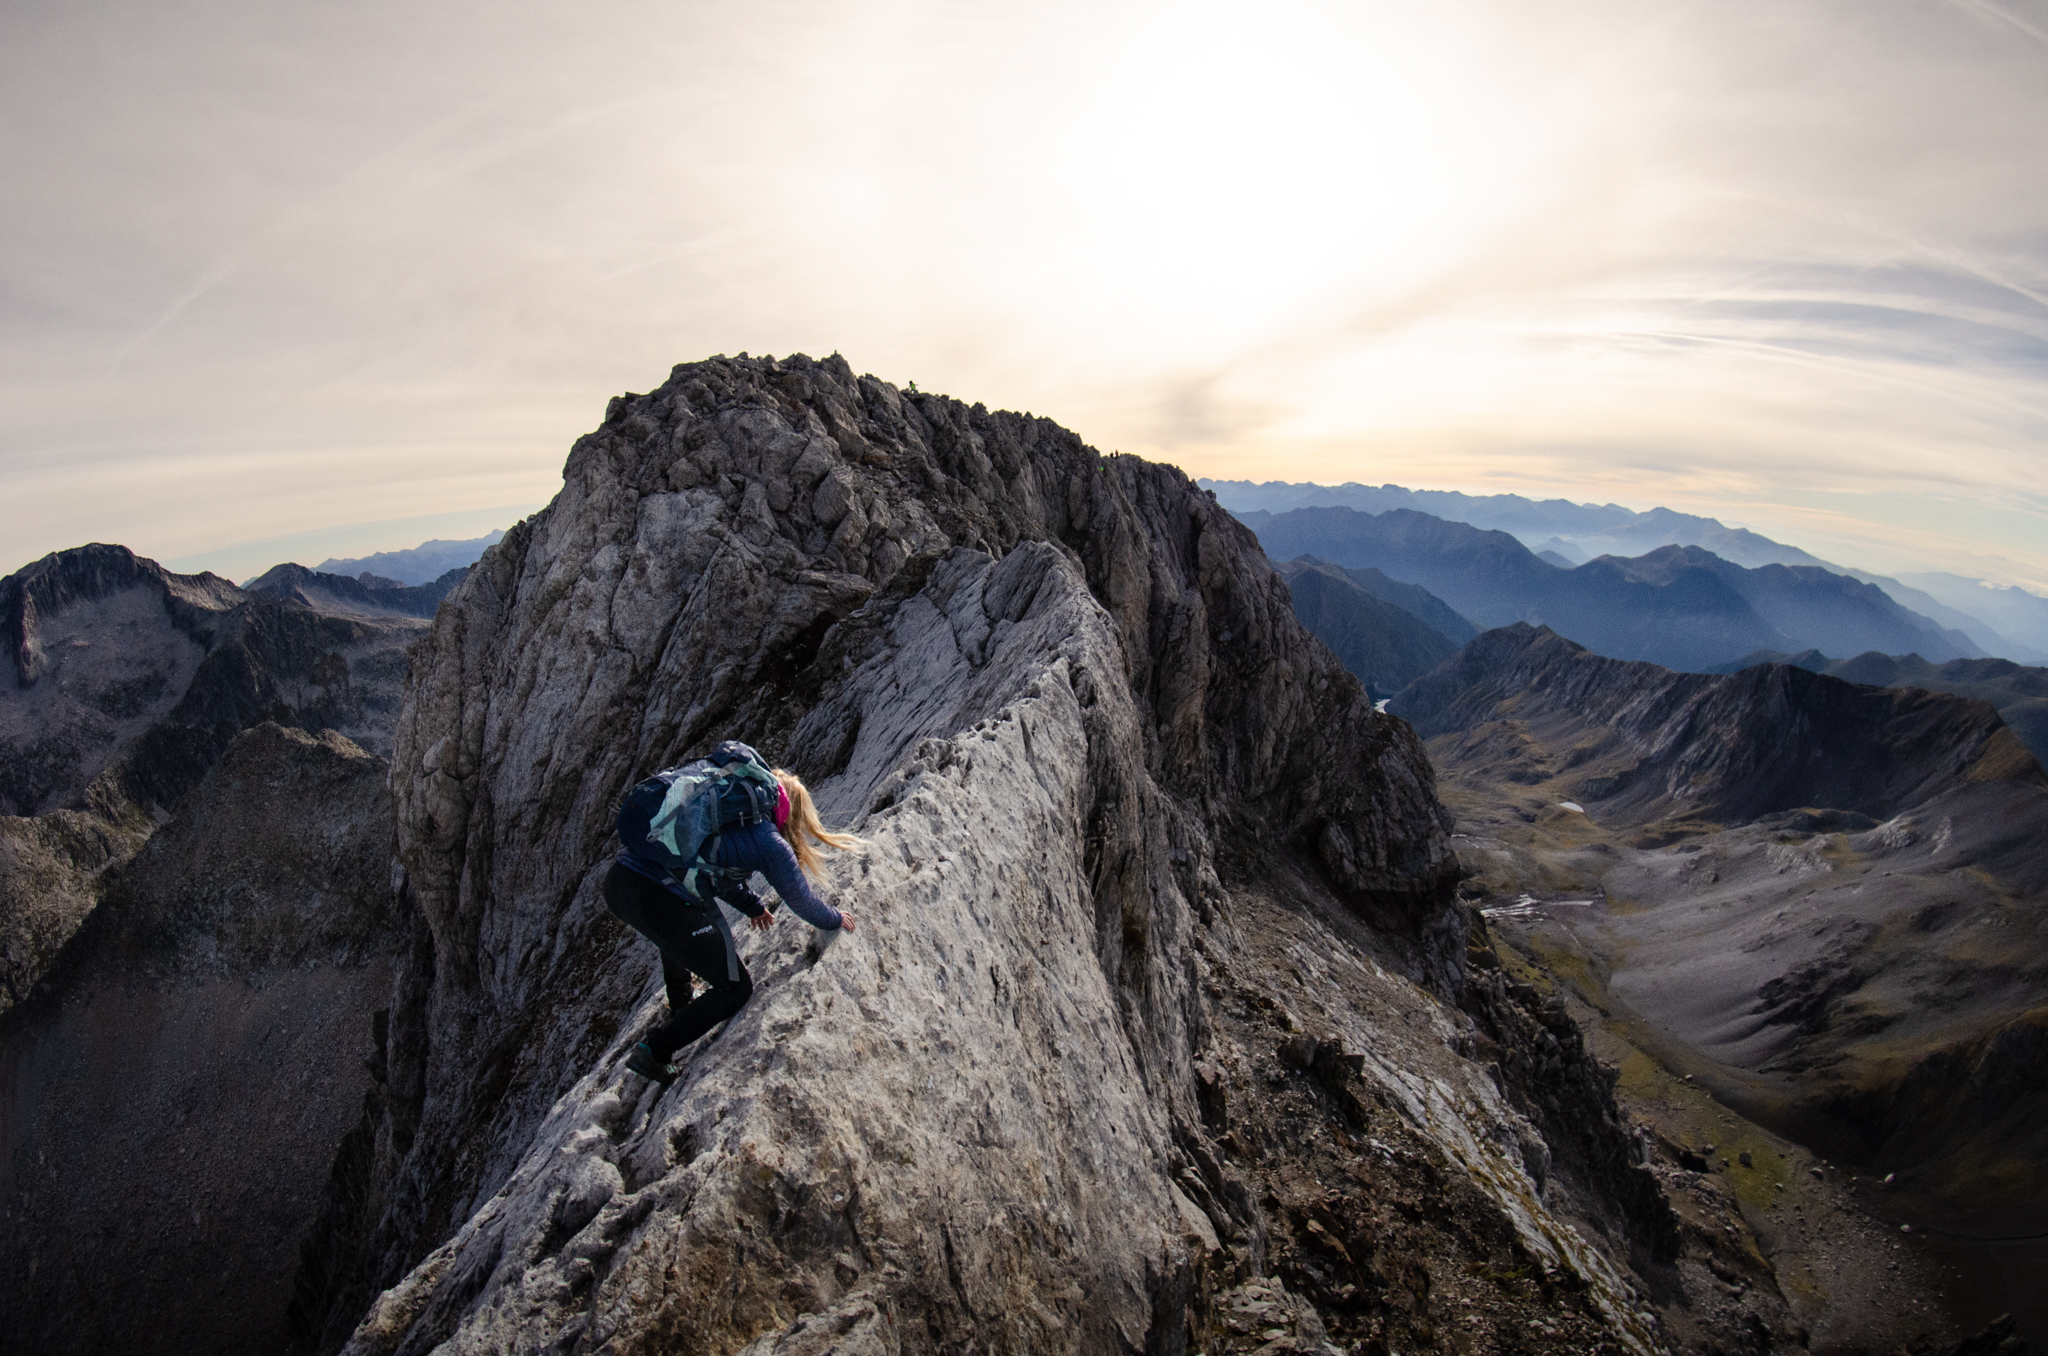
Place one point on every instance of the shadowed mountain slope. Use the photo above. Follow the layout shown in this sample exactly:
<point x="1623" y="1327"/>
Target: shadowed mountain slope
<point x="1635" y="742"/>
<point x="176" y="1090"/>
<point x="1129" y="830"/>
<point x="1416" y="601"/>
<point x="2019" y="694"/>
<point x="1384" y="645"/>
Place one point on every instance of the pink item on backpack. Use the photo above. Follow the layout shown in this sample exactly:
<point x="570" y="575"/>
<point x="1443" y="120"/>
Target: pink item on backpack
<point x="781" y="808"/>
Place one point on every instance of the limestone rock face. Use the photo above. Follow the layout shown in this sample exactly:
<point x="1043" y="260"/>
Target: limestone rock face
<point x="1097" y="764"/>
<point x="176" y="1095"/>
<point x="128" y="683"/>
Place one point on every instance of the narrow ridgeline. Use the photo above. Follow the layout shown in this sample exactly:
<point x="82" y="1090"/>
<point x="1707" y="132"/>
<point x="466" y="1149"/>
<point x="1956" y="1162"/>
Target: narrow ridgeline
<point x="1150" y="1038"/>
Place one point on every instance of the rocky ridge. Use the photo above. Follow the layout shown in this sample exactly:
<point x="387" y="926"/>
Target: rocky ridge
<point x="1634" y="742"/>
<point x="2018" y="693"/>
<point x="1136" y="847"/>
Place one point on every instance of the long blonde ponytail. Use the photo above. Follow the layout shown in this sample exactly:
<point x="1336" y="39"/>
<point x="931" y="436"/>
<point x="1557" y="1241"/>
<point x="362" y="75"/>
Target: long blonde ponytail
<point x="804" y="829"/>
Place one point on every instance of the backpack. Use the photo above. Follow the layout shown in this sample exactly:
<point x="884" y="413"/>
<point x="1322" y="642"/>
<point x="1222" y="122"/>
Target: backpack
<point x="669" y="821"/>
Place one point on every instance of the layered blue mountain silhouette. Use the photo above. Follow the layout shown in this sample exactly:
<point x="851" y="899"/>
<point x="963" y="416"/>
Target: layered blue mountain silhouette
<point x="1683" y="607"/>
<point x="2005" y="621"/>
<point x="422" y="564"/>
<point x="1385" y="642"/>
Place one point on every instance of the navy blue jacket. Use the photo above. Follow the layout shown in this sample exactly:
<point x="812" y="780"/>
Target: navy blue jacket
<point x="755" y="847"/>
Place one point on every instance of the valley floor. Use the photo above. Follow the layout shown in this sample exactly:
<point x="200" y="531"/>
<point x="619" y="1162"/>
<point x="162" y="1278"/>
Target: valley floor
<point x="1678" y="952"/>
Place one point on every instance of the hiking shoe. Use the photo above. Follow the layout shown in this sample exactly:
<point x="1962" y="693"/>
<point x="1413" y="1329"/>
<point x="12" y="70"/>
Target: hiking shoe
<point x="647" y="1064"/>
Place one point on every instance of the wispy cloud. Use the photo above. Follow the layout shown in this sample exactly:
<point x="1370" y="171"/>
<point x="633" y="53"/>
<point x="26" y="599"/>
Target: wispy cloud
<point x="302" y="268"/>
<point x="1999" y="17"/>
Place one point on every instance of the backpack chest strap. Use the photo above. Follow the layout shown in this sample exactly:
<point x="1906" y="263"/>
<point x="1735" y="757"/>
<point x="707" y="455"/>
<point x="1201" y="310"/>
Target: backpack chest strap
<point x="703" y="877"/>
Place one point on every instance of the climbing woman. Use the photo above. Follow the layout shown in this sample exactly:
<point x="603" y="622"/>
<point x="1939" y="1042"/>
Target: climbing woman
<point x="691" y="836"/>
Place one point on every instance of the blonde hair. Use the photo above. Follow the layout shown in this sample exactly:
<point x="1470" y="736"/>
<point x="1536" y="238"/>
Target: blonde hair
<point x="805" y="828"/>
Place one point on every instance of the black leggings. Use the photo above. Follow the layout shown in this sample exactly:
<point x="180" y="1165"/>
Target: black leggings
<point x="690" y="943"/>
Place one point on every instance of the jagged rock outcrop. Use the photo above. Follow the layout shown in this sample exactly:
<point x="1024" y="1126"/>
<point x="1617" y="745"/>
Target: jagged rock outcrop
<point x="1633" y="742"/>
<point x="1129" y="832"/>
<point x="129" y="682"/>
<point x="174" y="1095"/>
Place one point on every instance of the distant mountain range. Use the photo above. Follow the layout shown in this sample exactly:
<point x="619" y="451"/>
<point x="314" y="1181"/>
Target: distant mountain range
<point x="1578" y="532"/>
<point x="421" y="565"/>
<point x="129" y="682"/>
<point x="2002" y="621"/>
<point x="2020" y="616"/>
<point x="340" y="595"/>
<point x="1679" y="606"/>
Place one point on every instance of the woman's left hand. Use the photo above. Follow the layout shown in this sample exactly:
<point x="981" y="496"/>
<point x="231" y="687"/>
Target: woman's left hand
<point x="761" y="921"/>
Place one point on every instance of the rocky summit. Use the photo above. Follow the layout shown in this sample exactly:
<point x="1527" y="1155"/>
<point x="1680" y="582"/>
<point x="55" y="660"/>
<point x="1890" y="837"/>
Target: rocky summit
<point x="1155" y="1034"/>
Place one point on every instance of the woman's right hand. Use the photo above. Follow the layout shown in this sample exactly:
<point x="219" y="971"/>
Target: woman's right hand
<point x="845" y="921"/>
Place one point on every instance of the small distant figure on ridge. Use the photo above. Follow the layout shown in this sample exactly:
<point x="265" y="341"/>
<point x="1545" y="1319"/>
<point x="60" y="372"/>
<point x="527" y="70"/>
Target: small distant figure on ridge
<point x="691" y="836"/>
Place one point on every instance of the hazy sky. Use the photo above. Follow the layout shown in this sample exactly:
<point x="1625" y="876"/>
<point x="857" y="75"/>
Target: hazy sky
<point x="291" y="274"/>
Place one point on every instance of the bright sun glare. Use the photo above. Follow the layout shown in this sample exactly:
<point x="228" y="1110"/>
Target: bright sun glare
<point x="1235" y="172"/>
<point x="1593" y="248"/>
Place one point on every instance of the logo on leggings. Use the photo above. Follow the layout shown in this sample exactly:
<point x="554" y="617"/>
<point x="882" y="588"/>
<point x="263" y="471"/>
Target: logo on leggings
<point x="700" y="932"/>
